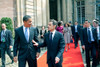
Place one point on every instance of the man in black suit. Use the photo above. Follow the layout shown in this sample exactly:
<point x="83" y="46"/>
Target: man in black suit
<point x="89" y="43"/>
<point x="76" y="33"/>
<point x="23" y="43"/>
<point x="5" y="43"/>
<point x="55" y="45"/>
<point x="96" y="25"/>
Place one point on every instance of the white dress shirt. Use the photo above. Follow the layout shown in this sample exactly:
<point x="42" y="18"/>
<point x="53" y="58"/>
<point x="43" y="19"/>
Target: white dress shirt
<point x="75" y="28"/>
<point x="53" y="34"/>
<point x="27" y="31"/>
<point x="92" y="39"/>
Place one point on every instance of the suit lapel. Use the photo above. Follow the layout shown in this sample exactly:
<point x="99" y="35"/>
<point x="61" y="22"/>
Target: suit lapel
<point x="55" y="35"/>
<point x="22" y="34"/>
<point x="30" y="33"/>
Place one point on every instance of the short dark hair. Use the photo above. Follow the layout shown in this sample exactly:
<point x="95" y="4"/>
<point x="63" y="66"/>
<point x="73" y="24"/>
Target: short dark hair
<point x="87" y="20"/>
<point x="59" y="23"/>
<point x="26" y="17"/>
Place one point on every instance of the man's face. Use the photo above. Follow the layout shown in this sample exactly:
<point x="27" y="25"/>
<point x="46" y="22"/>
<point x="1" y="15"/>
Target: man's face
<point x="28" y="23"/>
<point x="94" y="24"/>
<point x="51" y="27"/>
<point x="3" y="26"/>
<point x="87" y="24"/>
<point x="76" y="23"/>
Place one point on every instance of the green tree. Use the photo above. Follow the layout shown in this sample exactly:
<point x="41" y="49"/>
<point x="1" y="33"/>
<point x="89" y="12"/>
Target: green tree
<point x="8" y="23"/>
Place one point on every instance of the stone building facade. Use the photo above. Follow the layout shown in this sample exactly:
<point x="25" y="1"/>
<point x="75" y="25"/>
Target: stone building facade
<point x="42" y="11"/>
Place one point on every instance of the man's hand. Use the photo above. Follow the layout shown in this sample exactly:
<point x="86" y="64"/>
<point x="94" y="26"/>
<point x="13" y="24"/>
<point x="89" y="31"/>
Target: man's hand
<point x="15" y="59"/>
<point x="10" y="47"/>
<point x="34" y="43"/>
<point x="83" y="47"/>
<point x="37" y="55"/>
<point x="57" y="60"/>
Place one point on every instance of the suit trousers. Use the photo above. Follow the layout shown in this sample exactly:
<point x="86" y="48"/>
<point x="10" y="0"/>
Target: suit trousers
<point x="91" y="49"/>
<point x="31" y="62"/>
<point x="76" y="38"/>
<point x="99" y="52"/>
<point x="3" y="50"/>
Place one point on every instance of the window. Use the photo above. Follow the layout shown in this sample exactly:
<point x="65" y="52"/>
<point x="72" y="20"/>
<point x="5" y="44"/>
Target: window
<point x="81" y="12"/>
<point x="98" y="9"/>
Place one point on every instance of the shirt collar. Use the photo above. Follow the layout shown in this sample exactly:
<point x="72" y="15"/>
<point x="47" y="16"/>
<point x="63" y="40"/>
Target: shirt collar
<point x="53" y="32"/>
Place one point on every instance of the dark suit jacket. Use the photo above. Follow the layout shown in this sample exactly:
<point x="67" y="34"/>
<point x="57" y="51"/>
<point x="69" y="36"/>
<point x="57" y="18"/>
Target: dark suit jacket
<point x="85" y="36"/>
<point x="97" y="37"/>
<point x="8" y="39"/>
<point x="73" y="29"/>
<point x="25" y="47"/>
<point x="57" y="47"/>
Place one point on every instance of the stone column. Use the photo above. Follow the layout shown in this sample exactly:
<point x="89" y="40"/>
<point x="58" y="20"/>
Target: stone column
<point x="48" y="12"/>
<point x="69" y="10"/>
<point x="44" y="12"/>
<point x="90" y="9"/>
<point x="64" y="10"/>
<point x="59" y="10"/>
<point x="39" y="13"/>
<point x="18" y="13"/>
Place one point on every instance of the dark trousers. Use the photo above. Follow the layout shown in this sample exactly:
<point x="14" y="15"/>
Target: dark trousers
<point x="91" y="49"/>
<point x="99" y="52"/>
<point x="52" y="64"/>
<point x="76" y="38"/>
<point x="3" y="50"/>
<point x="31" y="62"/>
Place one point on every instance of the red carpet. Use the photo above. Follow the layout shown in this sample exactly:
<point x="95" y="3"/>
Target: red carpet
<point x="71" y="58"/>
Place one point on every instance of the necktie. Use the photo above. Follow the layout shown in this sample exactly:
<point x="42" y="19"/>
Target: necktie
<point x="3" y="36"/>
<point x="26" y="34"/>
<point x="89" y="36"/>
<point x="50" y="38"/>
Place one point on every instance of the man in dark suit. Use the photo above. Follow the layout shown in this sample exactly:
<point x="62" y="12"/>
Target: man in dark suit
<point x="23" y="42"/>
<point x="96" y="25"/>
<point x="55" y="45"/>
<point x="5" y="43"/>
<point x="89" y="43"/>
<point x="76" y="33"/>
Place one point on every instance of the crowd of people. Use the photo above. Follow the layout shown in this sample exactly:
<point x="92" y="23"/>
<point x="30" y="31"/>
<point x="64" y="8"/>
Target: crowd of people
<point x="56" y="39"/>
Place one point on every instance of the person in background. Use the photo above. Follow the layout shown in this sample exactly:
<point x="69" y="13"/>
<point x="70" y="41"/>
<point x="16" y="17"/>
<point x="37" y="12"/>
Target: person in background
<point x="96" y="25"/>
<point x="89" y="39"/>
<point x="67" y="35"/>
<point x="60" y="27"/>
<point x="6" y="43"/>
<point x="42" y="32"/>
<point x="76" y="33"/>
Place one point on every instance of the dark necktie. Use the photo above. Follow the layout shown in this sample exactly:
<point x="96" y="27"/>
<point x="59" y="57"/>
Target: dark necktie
<point x="89" y="36"/>
<point x="50" y="38"/>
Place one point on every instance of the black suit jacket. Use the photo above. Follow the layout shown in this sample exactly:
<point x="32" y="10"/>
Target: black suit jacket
<point x="78" y="29"/>
<point x="8" y="39"/>
<point x="57" y="47"/>
<point x="85" y="36"/>
<point x="25" y="47"/>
